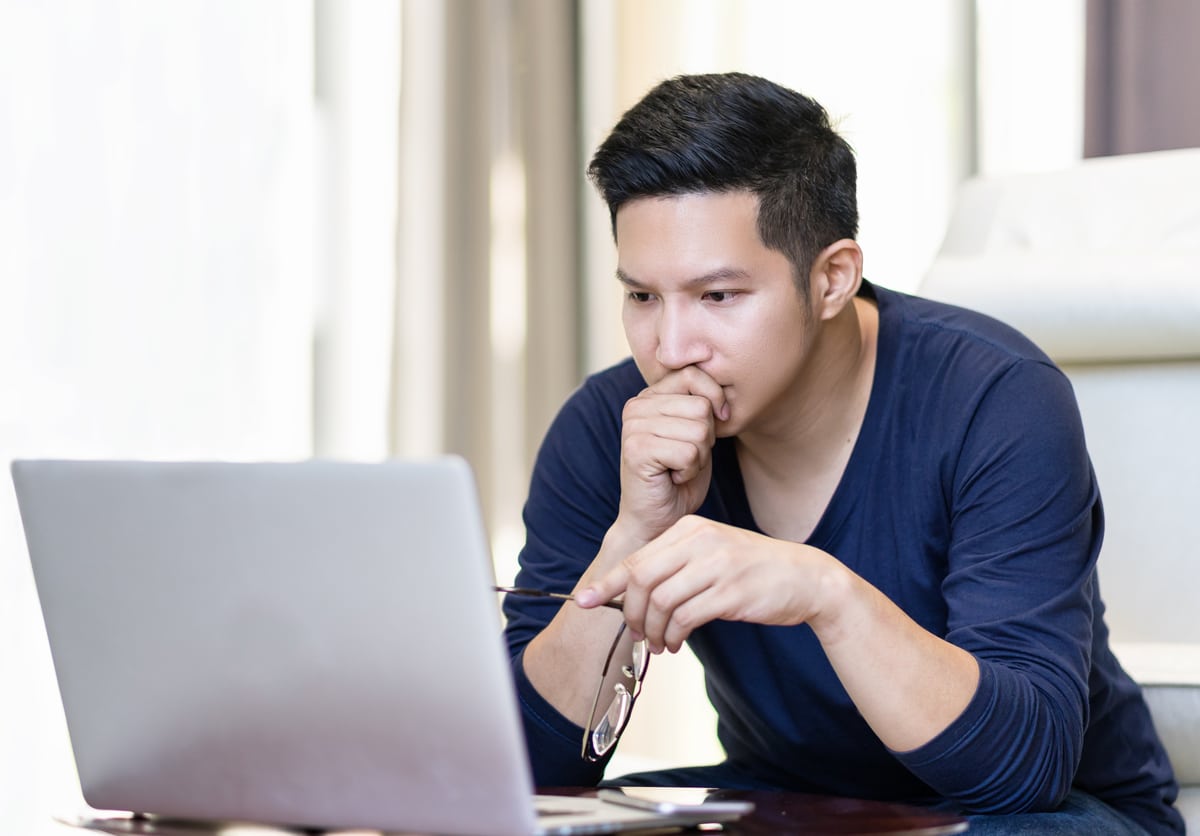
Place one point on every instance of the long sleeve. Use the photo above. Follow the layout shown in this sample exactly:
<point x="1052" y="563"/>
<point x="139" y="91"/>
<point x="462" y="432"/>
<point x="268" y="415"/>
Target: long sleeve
<point x="1026" y="526"/>
<point x="573" y="499"/>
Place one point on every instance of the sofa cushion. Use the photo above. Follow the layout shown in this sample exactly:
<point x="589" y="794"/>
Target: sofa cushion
<point x="1188" y="805"/>
<point x="1081" y="307"/>
<point x="1122" y="205"/>
<point x="1094" y="263"/>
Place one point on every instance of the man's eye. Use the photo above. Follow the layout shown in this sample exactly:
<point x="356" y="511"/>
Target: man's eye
<point x="638" y="296"/>
<point x="719" y="295"/>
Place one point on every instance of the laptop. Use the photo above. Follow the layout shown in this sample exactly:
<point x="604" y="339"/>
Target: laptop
<point x="311" y="644"/>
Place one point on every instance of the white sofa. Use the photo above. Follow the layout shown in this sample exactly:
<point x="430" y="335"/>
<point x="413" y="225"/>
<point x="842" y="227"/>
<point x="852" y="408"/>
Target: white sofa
<point x="1100" y="265"/>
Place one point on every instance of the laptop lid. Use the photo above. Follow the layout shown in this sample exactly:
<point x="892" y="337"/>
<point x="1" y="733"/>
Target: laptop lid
<point x="311" y="644"/>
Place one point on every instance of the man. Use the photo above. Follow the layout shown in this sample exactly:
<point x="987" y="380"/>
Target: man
<point x="872" y="517"/>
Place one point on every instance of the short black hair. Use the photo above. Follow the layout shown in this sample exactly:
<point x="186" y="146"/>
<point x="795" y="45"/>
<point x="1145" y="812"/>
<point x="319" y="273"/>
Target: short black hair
<point x="732" y="132"/>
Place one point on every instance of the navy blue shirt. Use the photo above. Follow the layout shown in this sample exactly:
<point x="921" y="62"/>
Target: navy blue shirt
<point x="969" y="500"/>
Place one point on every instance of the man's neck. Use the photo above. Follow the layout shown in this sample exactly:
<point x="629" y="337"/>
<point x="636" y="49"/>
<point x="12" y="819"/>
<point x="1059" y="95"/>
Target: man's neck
<point x="814" y="429"/>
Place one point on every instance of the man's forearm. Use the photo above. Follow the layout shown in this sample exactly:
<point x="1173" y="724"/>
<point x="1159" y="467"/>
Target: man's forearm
<point x="565" y="660"/>
<point x="907" y="683"/>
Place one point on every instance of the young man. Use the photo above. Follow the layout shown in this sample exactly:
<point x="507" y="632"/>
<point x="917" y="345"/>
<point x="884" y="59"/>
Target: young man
<point x="872" y="517"/>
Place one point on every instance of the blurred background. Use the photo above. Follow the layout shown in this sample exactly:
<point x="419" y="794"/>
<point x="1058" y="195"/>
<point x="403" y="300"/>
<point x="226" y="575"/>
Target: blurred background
<point x="271" y="229"/>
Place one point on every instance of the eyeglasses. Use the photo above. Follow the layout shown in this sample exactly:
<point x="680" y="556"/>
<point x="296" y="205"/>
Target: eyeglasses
<point x="622" y="676"/>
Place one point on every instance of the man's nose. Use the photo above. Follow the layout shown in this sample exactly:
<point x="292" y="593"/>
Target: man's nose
<point x="680" y="340"/>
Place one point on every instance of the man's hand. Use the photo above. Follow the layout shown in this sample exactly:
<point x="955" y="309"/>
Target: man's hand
<point x="700" y="570"/>
<point x="907" y="683"/>
<point x="668" y="431"/>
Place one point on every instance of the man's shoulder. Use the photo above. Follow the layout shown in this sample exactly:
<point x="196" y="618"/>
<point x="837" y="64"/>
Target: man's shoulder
<point x="937" y="325"/>
<point x="955" y="368"/>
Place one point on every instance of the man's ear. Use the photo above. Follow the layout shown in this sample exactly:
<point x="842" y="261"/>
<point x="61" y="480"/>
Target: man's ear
<point x="835" y="277"/>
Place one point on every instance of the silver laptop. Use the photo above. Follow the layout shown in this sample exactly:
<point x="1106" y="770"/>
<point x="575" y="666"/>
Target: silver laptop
<point x="309" y="644"/>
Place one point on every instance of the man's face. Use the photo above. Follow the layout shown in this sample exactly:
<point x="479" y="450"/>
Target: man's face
<point x="701" y="289"/>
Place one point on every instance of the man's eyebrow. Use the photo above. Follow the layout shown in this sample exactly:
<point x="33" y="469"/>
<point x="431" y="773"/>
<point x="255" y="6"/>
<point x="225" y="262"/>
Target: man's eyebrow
<point x="722" y="274"/>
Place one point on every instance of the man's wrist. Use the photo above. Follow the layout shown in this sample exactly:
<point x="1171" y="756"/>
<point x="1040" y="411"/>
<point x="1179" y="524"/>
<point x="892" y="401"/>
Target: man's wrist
<point x="625" y="537"/>
<point x="834" y="606"/>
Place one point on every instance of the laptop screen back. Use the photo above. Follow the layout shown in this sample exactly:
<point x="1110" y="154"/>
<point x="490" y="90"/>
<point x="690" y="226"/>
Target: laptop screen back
<point x="309" y="644"/>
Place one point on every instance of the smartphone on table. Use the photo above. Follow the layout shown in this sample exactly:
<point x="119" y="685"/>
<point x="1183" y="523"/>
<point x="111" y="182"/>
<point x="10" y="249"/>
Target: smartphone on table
<point x="675" y="800"/>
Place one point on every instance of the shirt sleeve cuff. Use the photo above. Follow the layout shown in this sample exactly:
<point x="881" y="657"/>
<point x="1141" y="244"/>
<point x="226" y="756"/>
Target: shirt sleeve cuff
<point x="554" y="741"/>
<point x="993" y="757"/>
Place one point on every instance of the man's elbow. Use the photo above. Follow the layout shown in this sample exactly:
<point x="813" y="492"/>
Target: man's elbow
<point x="1036" y="783"/>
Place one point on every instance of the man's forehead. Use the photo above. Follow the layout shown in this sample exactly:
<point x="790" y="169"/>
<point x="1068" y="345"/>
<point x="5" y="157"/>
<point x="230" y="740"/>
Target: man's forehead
<point x="677" y="214"/>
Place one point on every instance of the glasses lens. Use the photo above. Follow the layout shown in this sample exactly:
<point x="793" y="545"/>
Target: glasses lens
<point x="639" y="660"/>
<point x="621" y="680"/>
<point x="606" y="732"/>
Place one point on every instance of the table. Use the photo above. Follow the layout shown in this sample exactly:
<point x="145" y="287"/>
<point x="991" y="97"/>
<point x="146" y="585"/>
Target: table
<point x="775" y="813"/>
<point x="801" y="813"/>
